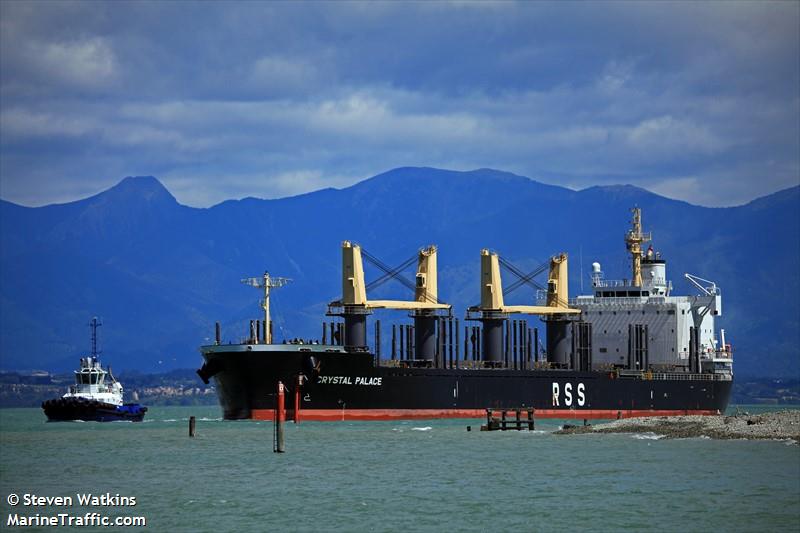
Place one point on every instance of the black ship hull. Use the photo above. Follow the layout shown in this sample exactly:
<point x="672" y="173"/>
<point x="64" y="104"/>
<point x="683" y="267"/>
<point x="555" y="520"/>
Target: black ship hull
<point x="349" y="386"/>
<point x="68" y="409"/>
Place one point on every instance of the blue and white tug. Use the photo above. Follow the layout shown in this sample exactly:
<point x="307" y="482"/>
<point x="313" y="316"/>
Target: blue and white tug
<point x="95" y="396"/>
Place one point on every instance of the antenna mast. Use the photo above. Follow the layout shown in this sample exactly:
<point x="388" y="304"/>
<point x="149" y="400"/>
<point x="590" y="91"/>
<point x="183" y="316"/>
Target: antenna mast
<point x="94" y="324"/>
<point x="634" y="239"/>
<point x="266" y="282"/>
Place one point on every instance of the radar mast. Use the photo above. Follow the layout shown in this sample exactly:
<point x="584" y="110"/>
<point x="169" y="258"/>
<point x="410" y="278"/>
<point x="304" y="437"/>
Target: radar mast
<point x="634" y="240"/>
<point x="94" y="324"/>
<point x="266" y="282"/>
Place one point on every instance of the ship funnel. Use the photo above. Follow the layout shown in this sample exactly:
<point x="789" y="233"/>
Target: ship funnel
<point x="491" y="284"/>
<point x="354" y="290"/>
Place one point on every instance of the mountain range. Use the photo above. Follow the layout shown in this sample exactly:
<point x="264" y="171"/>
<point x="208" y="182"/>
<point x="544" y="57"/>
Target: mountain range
<point x="159" y="274"/>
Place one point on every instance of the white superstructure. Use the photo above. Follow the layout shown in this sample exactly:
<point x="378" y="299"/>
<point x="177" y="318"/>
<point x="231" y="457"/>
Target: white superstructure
<point x="638" y="325"/>
<point x="92" y="382"/>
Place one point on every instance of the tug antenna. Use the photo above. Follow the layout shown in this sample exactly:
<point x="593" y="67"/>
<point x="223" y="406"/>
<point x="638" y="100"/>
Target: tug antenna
<point x="94" y="324"/>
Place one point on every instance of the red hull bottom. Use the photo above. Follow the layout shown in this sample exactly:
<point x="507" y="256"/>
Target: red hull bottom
<point x="332" y="415"/>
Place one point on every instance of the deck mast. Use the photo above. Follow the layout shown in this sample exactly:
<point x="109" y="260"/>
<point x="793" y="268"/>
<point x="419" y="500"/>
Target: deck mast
<point x="634" y="240"/>
<point x="266" y="282"/>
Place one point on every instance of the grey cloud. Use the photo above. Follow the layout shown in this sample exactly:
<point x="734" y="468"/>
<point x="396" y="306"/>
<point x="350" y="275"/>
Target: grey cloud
<point x="697" y="101"/>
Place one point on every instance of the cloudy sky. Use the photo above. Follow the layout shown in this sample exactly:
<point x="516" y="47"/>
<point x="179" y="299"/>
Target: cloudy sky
<point x="696" y="101"/>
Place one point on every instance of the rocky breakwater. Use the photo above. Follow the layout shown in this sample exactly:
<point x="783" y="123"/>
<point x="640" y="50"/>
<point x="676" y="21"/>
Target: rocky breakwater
<point x="774" y="425"/>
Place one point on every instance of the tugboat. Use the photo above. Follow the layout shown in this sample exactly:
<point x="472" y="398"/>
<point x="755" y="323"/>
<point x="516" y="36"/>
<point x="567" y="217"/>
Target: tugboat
<point x="96" y="395"/>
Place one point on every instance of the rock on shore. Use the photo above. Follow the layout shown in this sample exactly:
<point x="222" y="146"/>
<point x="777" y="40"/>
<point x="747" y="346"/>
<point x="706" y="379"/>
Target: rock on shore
<point x="774" y="425"/>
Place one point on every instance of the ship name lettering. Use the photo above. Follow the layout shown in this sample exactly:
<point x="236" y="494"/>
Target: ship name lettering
<point x="349" y="380"/>
<point x="568" y="397"/>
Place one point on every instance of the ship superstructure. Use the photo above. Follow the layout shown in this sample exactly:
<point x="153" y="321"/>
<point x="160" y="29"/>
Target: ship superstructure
<point x="629" y="348"/>
<point x="93" y="382"/>
<point x="637" y="324"/>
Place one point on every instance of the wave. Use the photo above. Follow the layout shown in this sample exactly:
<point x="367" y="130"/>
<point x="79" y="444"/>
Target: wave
<point x="426" y="428"/>
<point x="647" y="436"/>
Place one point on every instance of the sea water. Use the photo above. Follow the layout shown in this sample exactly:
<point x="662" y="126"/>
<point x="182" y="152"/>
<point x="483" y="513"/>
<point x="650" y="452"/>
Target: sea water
<point x="430" y="475"/>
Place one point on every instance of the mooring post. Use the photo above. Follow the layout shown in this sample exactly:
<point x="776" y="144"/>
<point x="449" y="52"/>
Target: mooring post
<point x="466" y="343"/>
<point x="394" y="343"/>
<point x="191" y="426"/>
<point x="402" y="340"/>
<point x="411" y="347"/>
<point x="377" y="343"/>
<point x="280" y="417"/>
<point x="457" y="342"/>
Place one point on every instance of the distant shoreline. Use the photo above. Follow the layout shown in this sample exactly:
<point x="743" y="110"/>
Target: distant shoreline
<point x="178" y="387"/>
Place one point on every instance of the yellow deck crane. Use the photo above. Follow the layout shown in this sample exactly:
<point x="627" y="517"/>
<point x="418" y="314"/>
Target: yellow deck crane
<point x="493" y="312"/>
<point x="354" y="305"/>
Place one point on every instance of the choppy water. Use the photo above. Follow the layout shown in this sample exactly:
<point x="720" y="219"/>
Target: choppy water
<point x="396" y="476"/>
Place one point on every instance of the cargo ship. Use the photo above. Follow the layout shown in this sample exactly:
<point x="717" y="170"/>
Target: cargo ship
<point x="629" y="348"/>
<point x="96" y="395"/>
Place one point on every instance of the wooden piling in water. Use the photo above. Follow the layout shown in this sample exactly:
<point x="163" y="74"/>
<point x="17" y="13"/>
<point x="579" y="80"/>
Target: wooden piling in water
<point x="505" y="423"/>
<point x="191" y="426"/>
